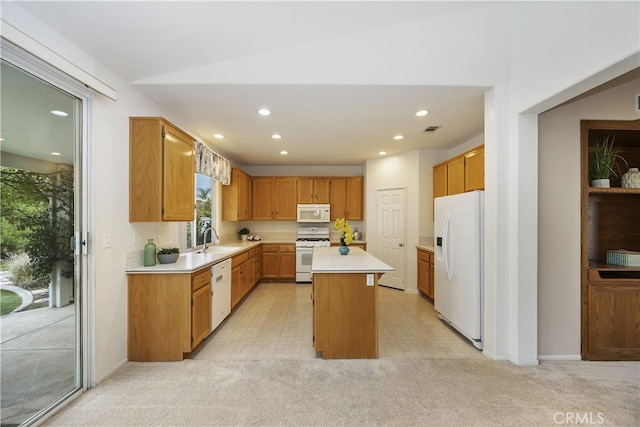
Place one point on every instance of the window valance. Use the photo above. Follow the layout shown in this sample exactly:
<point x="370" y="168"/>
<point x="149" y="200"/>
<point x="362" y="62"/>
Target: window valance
<point x="211" y="164"/>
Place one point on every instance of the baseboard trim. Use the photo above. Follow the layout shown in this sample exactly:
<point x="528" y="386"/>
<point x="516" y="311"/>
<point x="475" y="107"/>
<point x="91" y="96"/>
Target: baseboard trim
<point x="559" y="357"/>
<point x="492" y="356"/>
<point x="112" y="371"/>
<point x="526" y="362"/>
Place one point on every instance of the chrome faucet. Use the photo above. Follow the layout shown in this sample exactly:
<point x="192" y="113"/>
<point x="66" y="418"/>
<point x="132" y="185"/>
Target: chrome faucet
<point x="214" y="242"/>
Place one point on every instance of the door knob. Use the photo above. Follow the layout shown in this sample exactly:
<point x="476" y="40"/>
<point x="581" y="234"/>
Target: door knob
<point x="401" y="244"/>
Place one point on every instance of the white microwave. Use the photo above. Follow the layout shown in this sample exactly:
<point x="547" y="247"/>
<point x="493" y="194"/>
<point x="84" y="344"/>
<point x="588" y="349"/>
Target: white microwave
<point x="314" y="213"/>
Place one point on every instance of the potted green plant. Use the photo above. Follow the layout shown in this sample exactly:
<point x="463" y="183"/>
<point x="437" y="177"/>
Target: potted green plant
<point x="602" y="162"/>
<point x="168" y="255"/>
<point x="244" y="233"/>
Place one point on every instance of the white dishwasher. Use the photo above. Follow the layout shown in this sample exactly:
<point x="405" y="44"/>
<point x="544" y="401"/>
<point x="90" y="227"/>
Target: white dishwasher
<point x="221" y="292"/>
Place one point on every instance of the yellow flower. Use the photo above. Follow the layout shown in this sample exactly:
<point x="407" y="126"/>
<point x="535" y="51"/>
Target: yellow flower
<point x="344" y="228"/>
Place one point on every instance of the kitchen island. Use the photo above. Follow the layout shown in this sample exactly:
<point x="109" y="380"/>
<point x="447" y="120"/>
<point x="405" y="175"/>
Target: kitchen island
<point x="345" y="303"/>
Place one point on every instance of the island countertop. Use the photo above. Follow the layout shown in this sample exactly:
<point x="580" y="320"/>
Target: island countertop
<point x="329" y="260"/>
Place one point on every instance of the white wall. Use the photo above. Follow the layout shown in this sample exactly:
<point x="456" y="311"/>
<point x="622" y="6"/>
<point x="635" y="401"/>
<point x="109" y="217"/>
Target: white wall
<point x="474" y="142"/>
<point x="559" y="214"/>
<point x="412" y="171"/>
<point x="109" y="205"/>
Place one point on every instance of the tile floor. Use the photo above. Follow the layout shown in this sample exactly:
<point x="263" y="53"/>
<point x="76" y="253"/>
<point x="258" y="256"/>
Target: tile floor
<point x="275" y="322"/>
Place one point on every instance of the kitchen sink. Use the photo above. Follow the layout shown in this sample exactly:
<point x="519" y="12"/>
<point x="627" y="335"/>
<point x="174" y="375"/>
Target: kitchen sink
<point x="219" y="249"/>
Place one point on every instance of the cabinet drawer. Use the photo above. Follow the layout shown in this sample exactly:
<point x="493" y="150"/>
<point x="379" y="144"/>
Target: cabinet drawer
<point x="287" y="248"/>
<point x="200" y="278"/>
<point x="424" y="255"/>
<point x="270" y="248"/>
<point x="239" y="259"/>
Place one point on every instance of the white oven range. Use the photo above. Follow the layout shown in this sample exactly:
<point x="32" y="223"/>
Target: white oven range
<point x="308" y="238"/>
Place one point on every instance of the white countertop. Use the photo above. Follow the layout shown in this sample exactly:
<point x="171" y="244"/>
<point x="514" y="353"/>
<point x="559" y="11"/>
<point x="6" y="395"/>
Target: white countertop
<point x="329" y="260"/>
<point x="192" y="261"/>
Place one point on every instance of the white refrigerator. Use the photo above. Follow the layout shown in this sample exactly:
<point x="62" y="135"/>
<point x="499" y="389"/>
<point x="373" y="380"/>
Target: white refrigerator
<point x="458" y="243"/>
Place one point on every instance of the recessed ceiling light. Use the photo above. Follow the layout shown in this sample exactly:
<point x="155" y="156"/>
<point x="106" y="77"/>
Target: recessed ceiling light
<point x="276" y="136"/>
<point x="218" y="135"/>
<point x="59" y="113"/>
<point x="381" y="153"/>
<point x="284" y="152"/>
<point x="422" y="113"/>
<point x="55" y="153"/>
<point x="1" y="139"/>
<point x="264" y="112"/>
<point x="398" y="137"/>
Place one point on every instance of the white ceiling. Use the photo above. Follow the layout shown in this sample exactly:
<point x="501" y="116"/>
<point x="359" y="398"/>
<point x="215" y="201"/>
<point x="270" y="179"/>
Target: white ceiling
<point x="334" y="74"/>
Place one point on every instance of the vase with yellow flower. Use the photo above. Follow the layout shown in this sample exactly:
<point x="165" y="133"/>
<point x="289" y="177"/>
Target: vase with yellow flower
<point x="346" y="236"/>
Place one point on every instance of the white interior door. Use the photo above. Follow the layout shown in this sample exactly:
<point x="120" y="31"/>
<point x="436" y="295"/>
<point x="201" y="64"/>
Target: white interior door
<point x="391" y="235"/>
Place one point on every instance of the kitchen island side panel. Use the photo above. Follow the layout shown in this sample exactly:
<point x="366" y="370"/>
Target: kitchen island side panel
<point x="346" y="315"/>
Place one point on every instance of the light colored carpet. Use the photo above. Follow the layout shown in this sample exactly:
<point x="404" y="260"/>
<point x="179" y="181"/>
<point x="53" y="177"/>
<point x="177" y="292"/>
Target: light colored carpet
<point x="393" y="392"/>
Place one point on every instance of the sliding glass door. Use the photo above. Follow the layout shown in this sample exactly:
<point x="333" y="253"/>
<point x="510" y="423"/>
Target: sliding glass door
<point x="41" y="131"/>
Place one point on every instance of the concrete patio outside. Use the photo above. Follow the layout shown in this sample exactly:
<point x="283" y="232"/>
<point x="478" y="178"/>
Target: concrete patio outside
<point x="37" y="360"/>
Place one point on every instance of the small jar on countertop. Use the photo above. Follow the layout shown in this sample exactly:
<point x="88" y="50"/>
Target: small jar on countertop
<point x="356" y="234"/>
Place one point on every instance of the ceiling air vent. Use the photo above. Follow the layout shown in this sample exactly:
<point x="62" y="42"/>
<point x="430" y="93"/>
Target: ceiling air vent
<point x="431" y="129"/>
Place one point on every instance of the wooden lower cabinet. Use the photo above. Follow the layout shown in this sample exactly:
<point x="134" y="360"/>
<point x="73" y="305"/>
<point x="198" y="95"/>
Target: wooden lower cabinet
<point x="242" y="275"/>
<point x="168" y="314"/>
<point x="200" y="306"/>
<point x="278" y="261"/>
<point x="613" y="311"/>
<point x="425" y="273"/>
<point x="257" y="264"/>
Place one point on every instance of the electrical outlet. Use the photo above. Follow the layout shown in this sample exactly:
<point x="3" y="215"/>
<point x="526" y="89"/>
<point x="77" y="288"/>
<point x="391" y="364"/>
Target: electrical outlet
<point x="136" y="239"/>
<point x="370" y="281"/>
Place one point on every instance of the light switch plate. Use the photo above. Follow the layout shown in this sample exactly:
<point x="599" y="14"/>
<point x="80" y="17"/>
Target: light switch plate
<point x="106" y="240"/>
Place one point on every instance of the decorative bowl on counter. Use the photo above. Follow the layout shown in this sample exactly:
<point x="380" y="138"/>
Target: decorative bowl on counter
<point x="168" y="258"/>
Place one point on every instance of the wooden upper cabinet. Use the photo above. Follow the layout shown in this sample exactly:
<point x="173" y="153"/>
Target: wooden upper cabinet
<point x="244" y="208"/>
<point x="313" y="190"/>
<point x="354" y="199"/>
<point x="474" y="170"/>
<point x="440" y="180"/>
<point x="262" y="198"/>
<point x="460" y="174"/>
<point x="338" y="197"/>
<point x="236" y="197"/>
<point x="285" y="199"/>
<point x="346" y="198"/>
<point x="274" y="198"/>
<point x="161" y="171"/>
<point x="455" y="175"/>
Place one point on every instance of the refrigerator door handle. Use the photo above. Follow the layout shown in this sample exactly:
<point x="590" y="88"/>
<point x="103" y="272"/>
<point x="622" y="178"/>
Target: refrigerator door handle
<point x="445" y="245"/>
